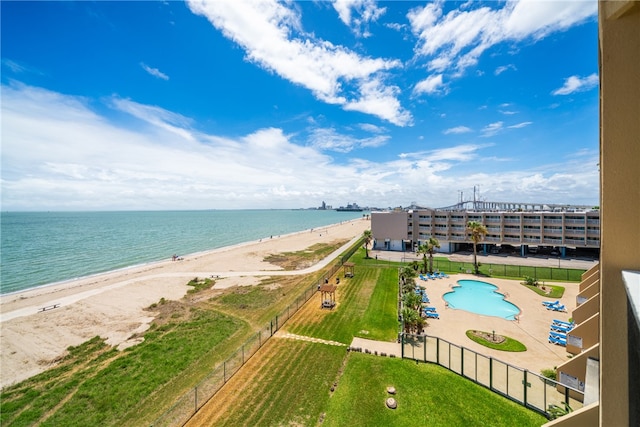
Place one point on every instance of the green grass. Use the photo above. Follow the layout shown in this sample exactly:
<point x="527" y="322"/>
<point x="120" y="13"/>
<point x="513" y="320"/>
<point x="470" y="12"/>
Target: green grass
<point x="380" y="320"/>
<point x="99" y="386"/>
<point x="427" y="395"/>
<point x="291" y="390"/>
<point x="556" y="291"/>
<point x="509" y="344"/>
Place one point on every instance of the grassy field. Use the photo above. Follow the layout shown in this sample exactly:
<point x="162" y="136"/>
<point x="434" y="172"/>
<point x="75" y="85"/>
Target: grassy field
<point x="427" y="395"/>
<point x="290" y="382"/>
<point x="287" y="382"/>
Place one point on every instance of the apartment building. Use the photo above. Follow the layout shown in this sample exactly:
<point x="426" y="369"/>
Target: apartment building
<point x="555" y="231"/>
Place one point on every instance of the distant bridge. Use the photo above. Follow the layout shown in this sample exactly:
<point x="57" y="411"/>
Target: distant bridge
<point x="484" y="206"/>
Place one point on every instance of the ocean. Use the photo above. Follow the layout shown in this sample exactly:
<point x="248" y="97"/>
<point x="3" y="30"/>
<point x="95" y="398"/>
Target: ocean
<point x="40" y="248"/>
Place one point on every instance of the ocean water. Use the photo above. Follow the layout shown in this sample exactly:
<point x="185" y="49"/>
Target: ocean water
<point x="40" y="248"/>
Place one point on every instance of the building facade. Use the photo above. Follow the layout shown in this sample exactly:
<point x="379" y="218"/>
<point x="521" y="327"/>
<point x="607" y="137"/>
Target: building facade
<point x="528" y="232"/>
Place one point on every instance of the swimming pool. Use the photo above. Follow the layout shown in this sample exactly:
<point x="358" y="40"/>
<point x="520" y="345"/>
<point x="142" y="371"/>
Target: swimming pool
<point x="480" y="298"/>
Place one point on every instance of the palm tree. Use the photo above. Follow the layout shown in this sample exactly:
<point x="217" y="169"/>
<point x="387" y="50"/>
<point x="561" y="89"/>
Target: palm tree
<point x="368" y="237"/>
<point x="409" y="318"/>
<point x="408" y="276"/>
<point x="478" y="231"/>
<point x="428" y="247"/>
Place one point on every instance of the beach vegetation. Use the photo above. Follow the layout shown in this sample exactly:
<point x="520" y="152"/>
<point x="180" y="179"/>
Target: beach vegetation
<point x="299" y="260"/>
<point x="476" y="231"/>
<point x="198" y="285"/>
<point x="495" y="341"/>
<point x="97" y="385"/>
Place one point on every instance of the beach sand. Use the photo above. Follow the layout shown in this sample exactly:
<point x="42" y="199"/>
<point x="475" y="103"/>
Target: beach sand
<point x="112" y="305"/>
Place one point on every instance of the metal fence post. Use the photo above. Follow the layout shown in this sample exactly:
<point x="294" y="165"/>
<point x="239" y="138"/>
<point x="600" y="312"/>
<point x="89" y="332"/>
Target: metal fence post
<point x="491" y="373"/>
<point x="525" y="387"/>
<point x="425" y="348"/>
<point x="195" y="399"/>
<point x="462" y="361"/>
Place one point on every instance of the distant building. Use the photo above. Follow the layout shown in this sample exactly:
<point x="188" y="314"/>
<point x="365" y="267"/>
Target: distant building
<point x="405" y="230"/>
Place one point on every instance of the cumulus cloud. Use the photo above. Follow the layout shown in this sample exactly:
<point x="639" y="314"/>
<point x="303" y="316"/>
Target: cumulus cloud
<point x="577" y="84"/>
<point x="455" y="40"/>
<point x="357" y="14"/>
<point x="154" y="71"/>
<point x="271" y="34"/>
<point x="457" y="130"/>
<point x="60" y="153"/>
<point x="430" y="85"/>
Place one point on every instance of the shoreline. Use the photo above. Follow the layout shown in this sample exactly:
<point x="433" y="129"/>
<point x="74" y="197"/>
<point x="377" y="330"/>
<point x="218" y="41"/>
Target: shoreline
<point x="114" y="304"/>
<point x="206" y="252"/>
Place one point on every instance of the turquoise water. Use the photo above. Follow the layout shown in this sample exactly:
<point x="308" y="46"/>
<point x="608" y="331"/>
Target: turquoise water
<point x="480" y="298"/>
<point x="40" y="248"/>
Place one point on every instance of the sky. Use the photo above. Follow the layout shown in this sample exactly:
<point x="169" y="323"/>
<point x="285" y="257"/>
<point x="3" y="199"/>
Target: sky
<point x="234" y="104"/>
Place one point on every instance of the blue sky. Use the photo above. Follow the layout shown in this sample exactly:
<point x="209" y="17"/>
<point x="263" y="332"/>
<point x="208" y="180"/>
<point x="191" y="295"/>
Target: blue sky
<point x="283" y="104"/>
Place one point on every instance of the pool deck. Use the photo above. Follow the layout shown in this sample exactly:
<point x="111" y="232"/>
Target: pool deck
<point x="531" y="328"/>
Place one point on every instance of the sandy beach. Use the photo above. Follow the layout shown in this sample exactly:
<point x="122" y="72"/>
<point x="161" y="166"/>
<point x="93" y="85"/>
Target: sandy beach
<point x="112" y="305"/>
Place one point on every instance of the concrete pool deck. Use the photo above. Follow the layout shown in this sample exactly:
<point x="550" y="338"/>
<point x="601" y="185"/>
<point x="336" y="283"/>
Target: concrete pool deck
<point x="531" y="328"/>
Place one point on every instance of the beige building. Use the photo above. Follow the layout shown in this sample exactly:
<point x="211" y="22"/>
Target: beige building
<point x="553" y="231"/>
<point x="605" y="344"/>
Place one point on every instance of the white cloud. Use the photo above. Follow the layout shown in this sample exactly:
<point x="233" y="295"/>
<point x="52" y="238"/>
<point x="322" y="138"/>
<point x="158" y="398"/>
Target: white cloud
<point x="358" y="13"/>
<point x="501" y="69"/>
<point x="457" y="130"/>
<point x="430" y="85"/>
<point x="492" y="129"/>
<point x="271" y="35"/>
<point x="154" y="71"/>
<point x="329" y="139"/>
<point x="519" y="125"/>
<point x="371" y="128"/>
<point x="457" y="39"/>
<point x="576" y="84"/>
<point x="58" y="153"/>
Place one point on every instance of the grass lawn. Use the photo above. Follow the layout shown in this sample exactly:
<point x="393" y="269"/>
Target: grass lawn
<point x="509" y="344"/>
<point x="427" y="395"/>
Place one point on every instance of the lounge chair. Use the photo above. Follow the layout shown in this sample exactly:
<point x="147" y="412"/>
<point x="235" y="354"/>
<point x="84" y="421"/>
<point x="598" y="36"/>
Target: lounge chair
<point x="563" y="323"/>
<point x="557" y="335"/>
<point x="556" y="307"/>
<point x="549" y="303"/>
<point x="442" y="275"/>
<point x="425" y="299"/>
<point x="432" y="314"/>
<point x="425" y="309"/>
<point x="559" y="328"/>
<point x="422" y="277"/>
<point x="558" y="341"/>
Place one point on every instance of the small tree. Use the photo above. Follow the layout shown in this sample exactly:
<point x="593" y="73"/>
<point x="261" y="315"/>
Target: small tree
<point x="367" y="237"/>
<point x="477" y="231"/>
<point x="409" y="319"/>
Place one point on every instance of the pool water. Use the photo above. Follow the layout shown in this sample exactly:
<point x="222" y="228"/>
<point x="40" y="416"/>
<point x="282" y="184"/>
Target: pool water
<point x="480" y="298"/>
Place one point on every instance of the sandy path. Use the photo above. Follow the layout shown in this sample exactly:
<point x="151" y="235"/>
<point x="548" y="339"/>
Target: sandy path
<point x="112" y="305"/>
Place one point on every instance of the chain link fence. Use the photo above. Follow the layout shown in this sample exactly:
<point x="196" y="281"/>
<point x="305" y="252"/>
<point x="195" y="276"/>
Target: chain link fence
<point x="189" y="403"/>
